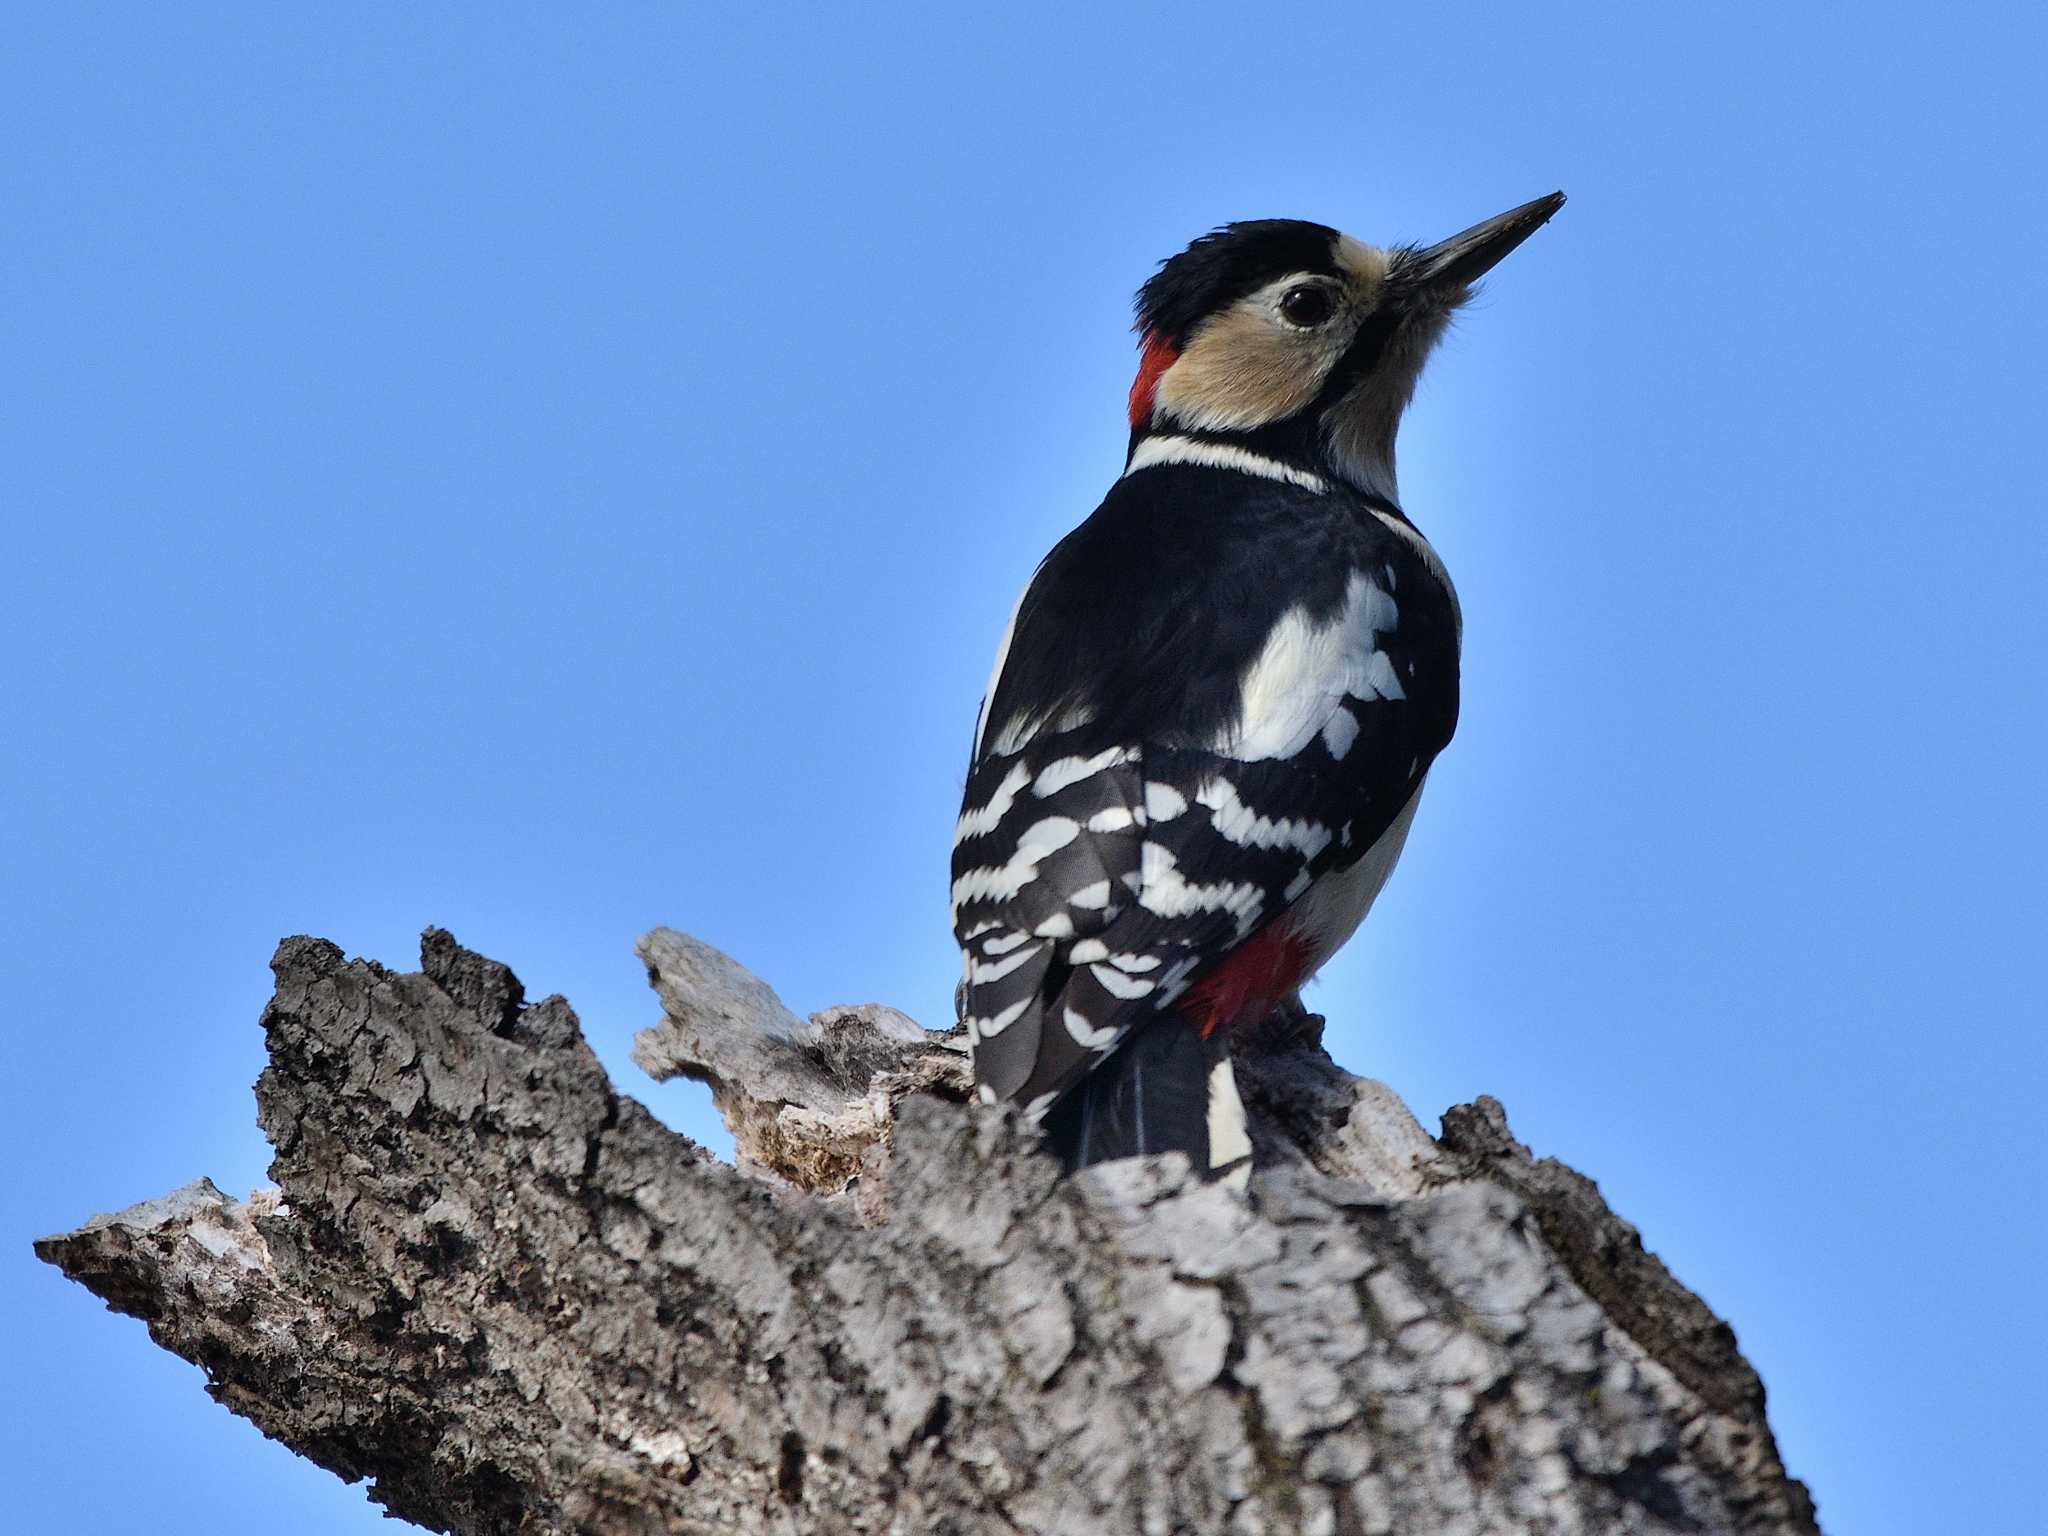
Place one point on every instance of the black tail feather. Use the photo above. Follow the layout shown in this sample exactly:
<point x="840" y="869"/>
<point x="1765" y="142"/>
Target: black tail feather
<point x="1152" y="1095"/>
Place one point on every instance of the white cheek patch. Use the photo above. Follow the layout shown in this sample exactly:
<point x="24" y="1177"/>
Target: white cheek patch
<point x="1247" y="366"/>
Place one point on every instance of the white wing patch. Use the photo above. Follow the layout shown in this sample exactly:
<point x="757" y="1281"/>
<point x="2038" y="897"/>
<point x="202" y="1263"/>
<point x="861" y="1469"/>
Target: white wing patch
<point x="1021" y="729"/>
<point x="1056" y="776"/>
<point x="1340" y="733"/>
<point x="980" y="972"/>
<point x="982" y="1029"/>
<point x="1379" y="677"/>
<point x="1005" y="880"/>
<point x="1087" y="1036"/>
<point x="982" y="821"/>
<point x="1165" y="891"/>
<point x="1163" y="802"/>
<point x="1119" y="985"/>
<point x="1238" y="822"/>
<point x="1292" y="687"/>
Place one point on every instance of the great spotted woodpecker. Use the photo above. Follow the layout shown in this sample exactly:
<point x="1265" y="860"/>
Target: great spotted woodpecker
<point x="1215" y="705"/>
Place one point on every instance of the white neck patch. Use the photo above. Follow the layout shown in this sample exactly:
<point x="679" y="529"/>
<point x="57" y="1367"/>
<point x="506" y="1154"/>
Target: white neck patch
<point x="1368" y="472"/>
<point x="1188" y="450"/>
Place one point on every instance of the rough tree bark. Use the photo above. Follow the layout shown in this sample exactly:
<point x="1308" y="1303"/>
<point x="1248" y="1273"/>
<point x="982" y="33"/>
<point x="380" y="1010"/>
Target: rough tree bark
<point x="506" y="1293"/>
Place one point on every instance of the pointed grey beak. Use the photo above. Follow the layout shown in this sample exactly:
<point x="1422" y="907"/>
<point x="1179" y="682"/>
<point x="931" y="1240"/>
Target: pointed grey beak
<point x="1464" y="258"/>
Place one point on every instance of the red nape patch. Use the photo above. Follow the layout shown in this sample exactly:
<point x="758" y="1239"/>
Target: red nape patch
<point x="1252" y="978"/>
<point x="1155" y="356"/>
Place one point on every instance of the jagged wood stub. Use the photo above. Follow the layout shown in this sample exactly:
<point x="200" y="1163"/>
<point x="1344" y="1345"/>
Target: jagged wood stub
<point x="519" y="1303"/>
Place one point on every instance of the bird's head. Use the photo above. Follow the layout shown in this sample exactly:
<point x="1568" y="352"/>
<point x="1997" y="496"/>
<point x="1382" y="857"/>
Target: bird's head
<point x="1297" y="342"/>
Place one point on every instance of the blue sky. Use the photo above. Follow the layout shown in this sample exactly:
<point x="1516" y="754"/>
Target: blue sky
<point x="553" y="472"/>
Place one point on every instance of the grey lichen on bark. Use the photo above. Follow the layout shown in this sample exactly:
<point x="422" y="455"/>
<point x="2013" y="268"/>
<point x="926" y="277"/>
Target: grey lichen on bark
<point x="519" y="1303"/>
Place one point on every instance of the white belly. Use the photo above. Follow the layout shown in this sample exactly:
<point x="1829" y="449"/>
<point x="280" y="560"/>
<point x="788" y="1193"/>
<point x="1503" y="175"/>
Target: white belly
<point x="1330" y="911"/>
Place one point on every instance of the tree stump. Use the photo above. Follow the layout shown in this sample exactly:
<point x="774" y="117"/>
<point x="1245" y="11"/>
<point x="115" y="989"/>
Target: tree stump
<point x="509" y="1295"/>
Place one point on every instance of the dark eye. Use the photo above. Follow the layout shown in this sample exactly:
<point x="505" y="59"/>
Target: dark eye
<point x="1307" y="307"/>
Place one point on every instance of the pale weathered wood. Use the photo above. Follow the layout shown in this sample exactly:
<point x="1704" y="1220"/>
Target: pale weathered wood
<point x="519" y="1303"/>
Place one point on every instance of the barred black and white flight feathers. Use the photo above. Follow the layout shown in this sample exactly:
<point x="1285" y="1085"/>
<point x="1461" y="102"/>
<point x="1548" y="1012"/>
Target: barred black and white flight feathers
<point x="1216" y="703"/>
